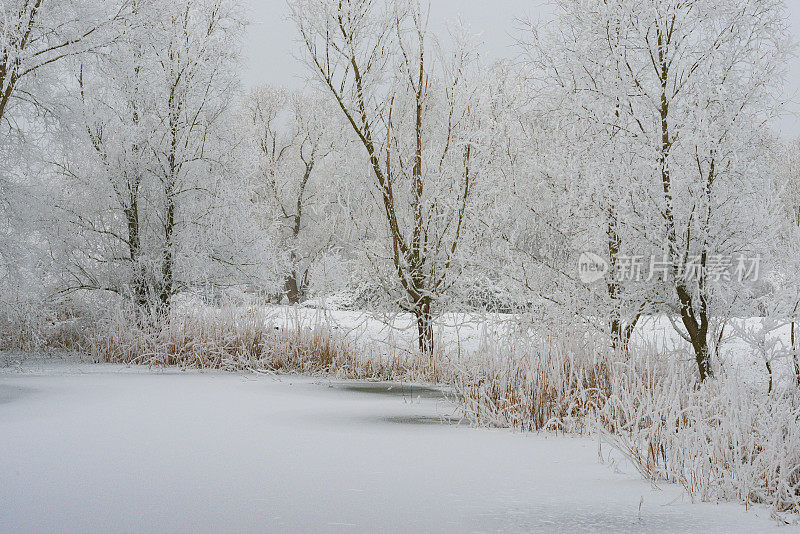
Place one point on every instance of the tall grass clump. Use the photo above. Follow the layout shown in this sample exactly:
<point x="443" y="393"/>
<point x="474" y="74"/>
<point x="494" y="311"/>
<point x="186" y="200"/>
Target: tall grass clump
<point x="30" y="325"/>
<point x="726" y="439"/>
<point x="236" y="339"/>
<point x="555" y="384"/>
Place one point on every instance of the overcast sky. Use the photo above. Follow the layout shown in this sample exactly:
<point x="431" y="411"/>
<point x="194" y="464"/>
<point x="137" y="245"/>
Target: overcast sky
<point x="272" y="48"/>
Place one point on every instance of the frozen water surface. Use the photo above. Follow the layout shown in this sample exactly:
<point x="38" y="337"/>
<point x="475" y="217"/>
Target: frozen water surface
<point x="104" y="448"/>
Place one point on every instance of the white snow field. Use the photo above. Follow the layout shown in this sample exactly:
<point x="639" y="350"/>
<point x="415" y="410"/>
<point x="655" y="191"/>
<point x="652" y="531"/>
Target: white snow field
<point x="99" y="448"/>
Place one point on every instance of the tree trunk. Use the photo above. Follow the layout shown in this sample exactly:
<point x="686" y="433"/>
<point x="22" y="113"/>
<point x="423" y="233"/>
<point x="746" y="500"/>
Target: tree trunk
<point x="291" y="289"/>
<point x="703" y="357"/>
<point x="140" y="292"/>
<point x="696" y="324"/>
<point x="294" y="287"/>
<point x="167" y="282"/>
<point x="167" y="286"/>
<point x="621" y="334"/>
<point x="424" y="327"/>
<point x="695" y="321"/>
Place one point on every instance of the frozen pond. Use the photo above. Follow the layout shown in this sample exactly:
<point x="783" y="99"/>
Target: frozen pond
<point x="104" y="448"/>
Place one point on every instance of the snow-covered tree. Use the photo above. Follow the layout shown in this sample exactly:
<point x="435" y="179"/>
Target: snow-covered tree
<point x="293" y="139"/>
<point x="158" y="156"/>
<point x="414" y="107"/>
<point x="676" y="93"/>
<point x="36" y="37"/>
<point x="37" y="33"/>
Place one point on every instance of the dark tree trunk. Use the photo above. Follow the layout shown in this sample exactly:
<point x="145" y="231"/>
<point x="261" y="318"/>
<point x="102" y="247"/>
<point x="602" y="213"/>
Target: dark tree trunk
<point x="703" y="357"/>
<point x="167" y="285"/>
<point x="294" y="286"/>
<point x="292" y="289"/>
<point x="696" y="324"/>
<point x="140" y="290"/>
<point x="620" y="333"/>
<point x="167" y="282"/>
<point x="424" y="327"/>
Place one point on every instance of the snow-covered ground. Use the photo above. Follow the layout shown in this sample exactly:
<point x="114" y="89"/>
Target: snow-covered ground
<point x="110" y="449"/>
